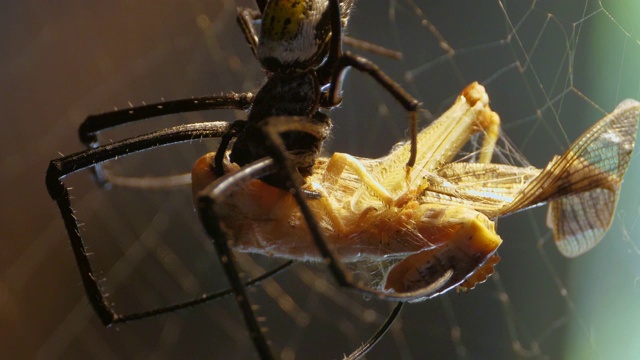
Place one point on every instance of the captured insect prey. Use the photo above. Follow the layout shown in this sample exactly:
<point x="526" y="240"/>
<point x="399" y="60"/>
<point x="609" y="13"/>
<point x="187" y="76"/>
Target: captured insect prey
<point x="436" y="227"/>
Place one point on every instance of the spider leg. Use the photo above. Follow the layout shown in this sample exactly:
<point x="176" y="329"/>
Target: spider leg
<point x="371" y="47"/>
<point x="443" y="139"/>
<point x="202" y="299"/>
<point x="62" y="167"/>
<point x="104" y="176"/>
<point x="235" y="128"/>
<point x="409" y="103"/>
<point x="337" y="62"/>
<point x="59" y="168"/>
<point x="245" y="18"/>
<point x="364" y="348"/>
<point x="335" y="46"/>
<point x="94" y="124"/>
<point x="206" y="204"/>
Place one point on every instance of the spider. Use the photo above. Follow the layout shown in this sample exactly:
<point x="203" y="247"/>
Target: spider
<point x="300" y="49"/>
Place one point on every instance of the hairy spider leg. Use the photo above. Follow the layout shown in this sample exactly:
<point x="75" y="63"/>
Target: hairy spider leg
<point x="341" y="61"/>
<point x="369" y="344"/>
<point x="205" y="204"/>
<point x="62" y="167"/>
<point x="94" y="124"/>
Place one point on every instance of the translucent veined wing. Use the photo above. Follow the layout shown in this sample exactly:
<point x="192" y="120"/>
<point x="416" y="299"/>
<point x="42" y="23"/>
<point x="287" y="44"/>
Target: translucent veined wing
<point x="487" y="188"/>
<point x="583" y="184"/>
<point x="580" y="221"/>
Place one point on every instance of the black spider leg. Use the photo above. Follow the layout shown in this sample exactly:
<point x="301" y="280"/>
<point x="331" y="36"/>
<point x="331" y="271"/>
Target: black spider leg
<point x="202" y="299"/>
<point x="407" y="101"/>
<point x="245" y="18"/>
<point x="274" y="144"/>
<point x="236" y="128"/>
<point x="223" y="187"/>
<point x="207" y="200"/>
<point x="371" y="48"/>
<point x="338" y="62"/>
<point x="364" y="348"/>
<point x="62" y="167"/>
<point x="94" y="124"/>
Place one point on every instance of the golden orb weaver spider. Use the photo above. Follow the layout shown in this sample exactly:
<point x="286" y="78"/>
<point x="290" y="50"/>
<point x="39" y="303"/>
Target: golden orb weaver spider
<point x="300" y="48"/>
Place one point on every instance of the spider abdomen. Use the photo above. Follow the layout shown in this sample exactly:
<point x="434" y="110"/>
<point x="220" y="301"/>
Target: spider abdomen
<point x="294" y="35"/>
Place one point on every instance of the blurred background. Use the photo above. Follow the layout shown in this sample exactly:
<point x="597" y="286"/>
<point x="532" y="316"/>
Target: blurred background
<point x="551" y="68"/>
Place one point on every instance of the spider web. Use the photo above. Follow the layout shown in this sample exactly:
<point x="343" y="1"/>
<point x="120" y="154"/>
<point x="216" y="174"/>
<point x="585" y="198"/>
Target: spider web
<point x="551" y="70"/>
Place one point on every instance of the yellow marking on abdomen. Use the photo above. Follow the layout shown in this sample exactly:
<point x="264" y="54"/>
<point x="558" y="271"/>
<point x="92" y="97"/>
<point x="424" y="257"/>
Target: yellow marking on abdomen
<point x="282" y="19"/>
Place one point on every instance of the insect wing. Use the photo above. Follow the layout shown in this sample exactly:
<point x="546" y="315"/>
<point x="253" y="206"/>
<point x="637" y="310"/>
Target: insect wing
<point x="579" y="221"/>
<point x="486" y="188"/>
<point x="583" y="184"/>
